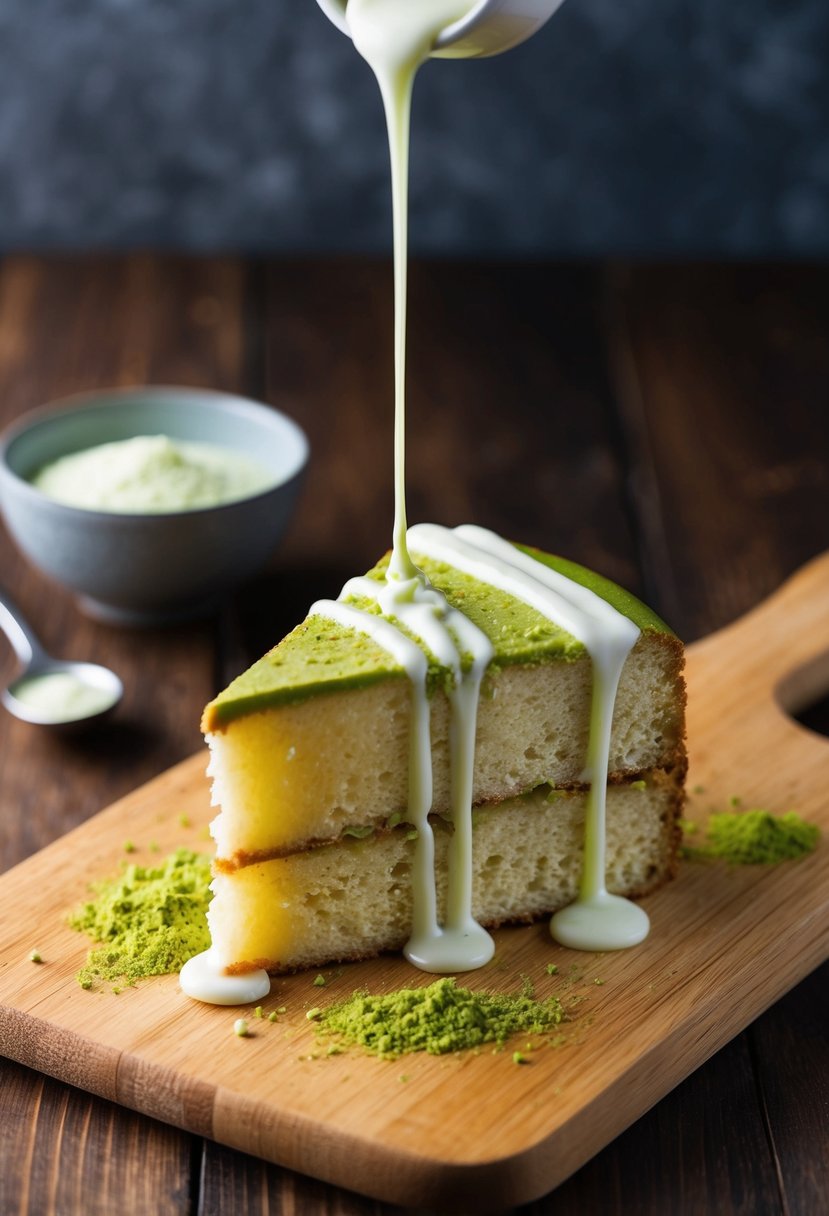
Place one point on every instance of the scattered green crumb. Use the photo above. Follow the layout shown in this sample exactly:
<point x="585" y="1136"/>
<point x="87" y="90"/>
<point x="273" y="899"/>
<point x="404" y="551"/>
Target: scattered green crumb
<point x="240" y="1028"/>
<point x="518" y="1057"/>
<point x="699" y="789"/>
<point x="359" y="833"/>
<point x="552" y="969"/>
<point x="413" y="834"/>
<point x="436" y="1019"/>
<point x="149" y="919"/>
<point x="185" y="821"/>
<point x="641" y="784"/>
<point x="257" y="1013"/>
<point x="282" y="1009"/>
<point x="334" y="1049"/>
<point x="35" y="957"/>
<point x="393" y="819"/>
<point x="129" y="847"/>
<point x="272" y="1017"/>
<point x="735" y="800"/>
<point x="116" y="991"/>
<point x="319" y="982"/>
<point x="756" y="837"/>
<point x="313" y="1014"/>
<point x="404" y="1076"/>
<point x="85" y="984"/>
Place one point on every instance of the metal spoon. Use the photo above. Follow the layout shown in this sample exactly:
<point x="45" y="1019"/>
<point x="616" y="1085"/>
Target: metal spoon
<point x="489" y="26"/>
<point x="53" y="692"/>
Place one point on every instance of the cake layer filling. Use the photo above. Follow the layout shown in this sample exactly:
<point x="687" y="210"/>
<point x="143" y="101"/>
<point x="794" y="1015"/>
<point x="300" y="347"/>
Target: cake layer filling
<point x="353" y="898"/>
<point x="301" y="773"/>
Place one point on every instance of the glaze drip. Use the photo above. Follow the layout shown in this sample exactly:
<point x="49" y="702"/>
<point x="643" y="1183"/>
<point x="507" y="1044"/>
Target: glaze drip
<point x="413" y="608"/>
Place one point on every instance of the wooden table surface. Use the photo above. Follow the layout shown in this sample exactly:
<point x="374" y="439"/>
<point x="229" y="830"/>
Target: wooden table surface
<point x="668" y="425"/>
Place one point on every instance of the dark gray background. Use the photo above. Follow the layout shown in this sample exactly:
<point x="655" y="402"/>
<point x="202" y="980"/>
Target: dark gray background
<point x="625" y="126"/>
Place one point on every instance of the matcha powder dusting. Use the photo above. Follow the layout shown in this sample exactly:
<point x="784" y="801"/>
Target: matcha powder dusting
<point x="757" y="838"/>
<point x="437" y="1019"/>
<point x="150" y="920"/>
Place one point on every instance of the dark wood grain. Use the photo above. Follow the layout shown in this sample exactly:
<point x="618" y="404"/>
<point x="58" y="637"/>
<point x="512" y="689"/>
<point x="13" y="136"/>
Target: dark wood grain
<point x="64" y="1151"/>
<point x="721" y="378"/>
<point x="233" y="1184"/>
<point x="791" y="1055"/>
<point x="668" y="425"/>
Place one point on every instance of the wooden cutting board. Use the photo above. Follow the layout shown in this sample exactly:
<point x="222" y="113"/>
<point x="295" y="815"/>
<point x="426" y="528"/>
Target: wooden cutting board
<point x="469" y="1129"/>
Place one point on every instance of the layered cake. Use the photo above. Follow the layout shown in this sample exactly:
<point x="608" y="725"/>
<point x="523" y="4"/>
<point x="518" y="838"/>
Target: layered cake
<point x="320" y="850"/>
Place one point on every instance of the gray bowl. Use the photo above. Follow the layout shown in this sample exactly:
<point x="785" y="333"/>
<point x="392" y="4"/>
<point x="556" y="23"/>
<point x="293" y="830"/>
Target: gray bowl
<point x="146" y="568"/>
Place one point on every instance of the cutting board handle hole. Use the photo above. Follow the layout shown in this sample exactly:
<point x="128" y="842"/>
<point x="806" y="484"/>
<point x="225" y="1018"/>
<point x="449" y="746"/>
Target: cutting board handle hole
<point x="803" y="694"/>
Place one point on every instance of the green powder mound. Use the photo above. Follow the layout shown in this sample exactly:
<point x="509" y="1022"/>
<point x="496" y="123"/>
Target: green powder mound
<point x="437" y="1019"/>
<point x="150" y="919"/>
<point x="757" y="838"/>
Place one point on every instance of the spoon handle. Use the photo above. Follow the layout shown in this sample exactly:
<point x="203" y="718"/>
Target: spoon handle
<point x="25" y="643"/>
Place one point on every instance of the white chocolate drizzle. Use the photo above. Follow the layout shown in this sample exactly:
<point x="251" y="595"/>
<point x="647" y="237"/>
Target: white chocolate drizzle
<point x="459" y="944"/>
<point x="204" y="978"/>
<point x="597" y="920"/>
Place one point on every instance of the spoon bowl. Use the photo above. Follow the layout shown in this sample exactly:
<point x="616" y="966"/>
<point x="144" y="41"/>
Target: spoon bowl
<point x="490" y="26"/>
<point x="53" y="692"/>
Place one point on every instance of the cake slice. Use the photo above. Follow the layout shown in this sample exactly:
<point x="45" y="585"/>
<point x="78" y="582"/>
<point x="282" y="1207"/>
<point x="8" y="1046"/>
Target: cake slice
<point x="310" y="768"/>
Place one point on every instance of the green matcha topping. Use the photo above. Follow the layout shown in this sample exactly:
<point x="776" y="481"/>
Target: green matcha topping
<point x="150" y="920"/>
<point x="755" y="837"/>
<point x="320" y="656"/>
<point x="437" y="1019"/>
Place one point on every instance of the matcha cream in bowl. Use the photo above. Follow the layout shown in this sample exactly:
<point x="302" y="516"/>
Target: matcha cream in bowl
<point x="150" y="504"/>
